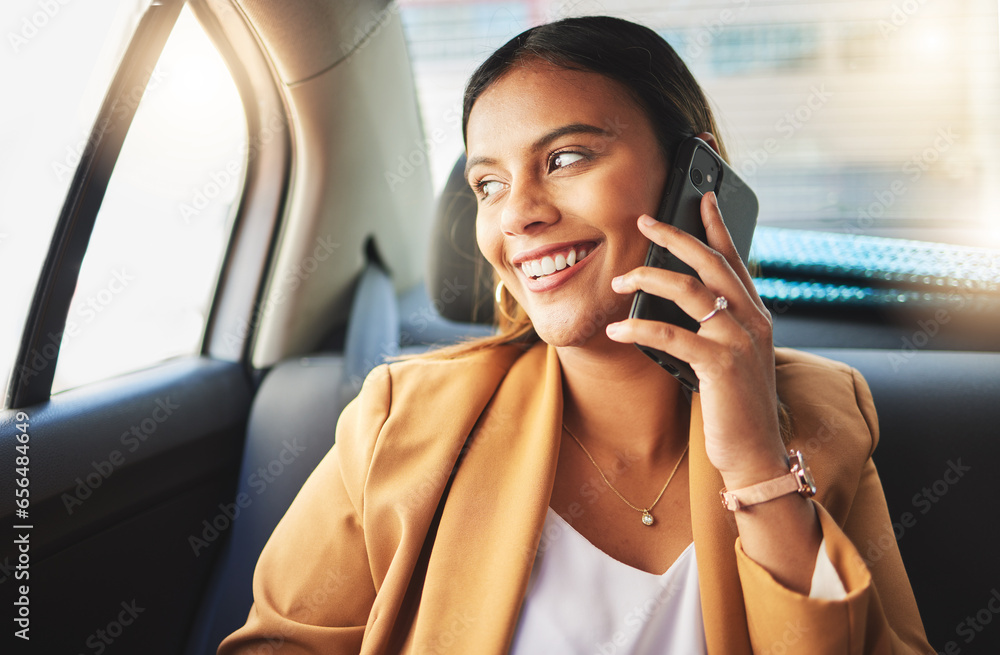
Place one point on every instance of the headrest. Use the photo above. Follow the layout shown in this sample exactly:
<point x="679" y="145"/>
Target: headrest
<point x="459" y="279"/>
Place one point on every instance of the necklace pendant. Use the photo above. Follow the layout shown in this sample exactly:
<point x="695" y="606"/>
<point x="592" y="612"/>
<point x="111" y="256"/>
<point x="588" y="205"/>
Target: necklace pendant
<point x="647" y="518"/>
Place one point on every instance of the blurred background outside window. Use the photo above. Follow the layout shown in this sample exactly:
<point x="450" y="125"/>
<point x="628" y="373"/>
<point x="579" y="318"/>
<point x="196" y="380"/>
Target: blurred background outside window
<point x="874" y="117"/>
<point x="149" y="275"/>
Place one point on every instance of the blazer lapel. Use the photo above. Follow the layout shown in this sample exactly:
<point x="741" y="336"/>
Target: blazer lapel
<point x="715" y="534"/>
<point x="491" y="524"/>
<point x="481" y="559"/>
<point x="410" y="467"/>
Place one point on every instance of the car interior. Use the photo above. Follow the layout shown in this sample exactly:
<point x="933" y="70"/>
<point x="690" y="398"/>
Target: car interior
<point x="153" y="492"/>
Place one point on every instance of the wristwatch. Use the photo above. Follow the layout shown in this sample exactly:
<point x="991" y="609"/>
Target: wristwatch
<point x="799" y="479"/>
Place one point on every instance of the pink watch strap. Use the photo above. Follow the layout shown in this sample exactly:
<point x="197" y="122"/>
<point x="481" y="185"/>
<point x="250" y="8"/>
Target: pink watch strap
<point x="760" y="492"/>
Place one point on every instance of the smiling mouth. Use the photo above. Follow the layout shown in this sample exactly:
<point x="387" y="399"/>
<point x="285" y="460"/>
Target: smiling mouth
<point x="555" y="262"/>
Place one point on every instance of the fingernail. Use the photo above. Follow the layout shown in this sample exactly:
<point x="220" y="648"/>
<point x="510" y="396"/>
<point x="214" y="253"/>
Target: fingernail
<point x="617" y="282"/>
<point x="647" y="220"/>
<point x="715" y="199"/>
<point x="612" y="329"/>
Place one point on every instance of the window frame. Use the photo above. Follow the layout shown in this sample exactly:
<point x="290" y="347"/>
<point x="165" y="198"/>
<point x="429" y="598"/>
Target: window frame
<point x="61" y="269"/>
<point x="231" y="326"/>
<point x="237" y="306"/>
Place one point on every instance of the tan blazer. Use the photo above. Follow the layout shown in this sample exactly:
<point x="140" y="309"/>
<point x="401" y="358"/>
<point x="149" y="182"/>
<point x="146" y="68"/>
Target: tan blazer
<point x="351" y="567"/>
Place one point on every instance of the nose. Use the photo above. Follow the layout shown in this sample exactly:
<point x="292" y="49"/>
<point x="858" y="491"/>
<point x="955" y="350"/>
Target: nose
<point x="527" y="208"/>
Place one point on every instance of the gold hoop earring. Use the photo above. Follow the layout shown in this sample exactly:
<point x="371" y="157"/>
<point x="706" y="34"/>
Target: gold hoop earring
<point x="500" y="303"/>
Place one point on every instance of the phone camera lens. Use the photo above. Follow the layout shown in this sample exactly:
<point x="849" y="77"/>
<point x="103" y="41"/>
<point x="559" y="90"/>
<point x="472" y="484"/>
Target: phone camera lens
<point x="697" y="177"/>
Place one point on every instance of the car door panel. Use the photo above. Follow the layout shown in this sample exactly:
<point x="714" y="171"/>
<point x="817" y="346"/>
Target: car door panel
<point x="124" y="477"/>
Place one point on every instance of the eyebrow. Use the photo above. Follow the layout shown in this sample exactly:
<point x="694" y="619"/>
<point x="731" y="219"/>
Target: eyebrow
<point x="544" y="140"/>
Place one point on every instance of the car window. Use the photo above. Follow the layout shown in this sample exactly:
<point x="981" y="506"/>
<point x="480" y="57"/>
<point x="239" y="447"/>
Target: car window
<point x="49" y="108"/>
<point x="148" y="277"/>
<point x="874" y="118"/>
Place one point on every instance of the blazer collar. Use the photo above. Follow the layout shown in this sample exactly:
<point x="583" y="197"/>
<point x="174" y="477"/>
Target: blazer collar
<point x="715" y="533"/>
<point x="492" y="521"/>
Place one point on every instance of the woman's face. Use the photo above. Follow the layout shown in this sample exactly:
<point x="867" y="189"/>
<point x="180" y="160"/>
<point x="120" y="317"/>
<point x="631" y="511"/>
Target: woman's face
<point x="563" y="163"/>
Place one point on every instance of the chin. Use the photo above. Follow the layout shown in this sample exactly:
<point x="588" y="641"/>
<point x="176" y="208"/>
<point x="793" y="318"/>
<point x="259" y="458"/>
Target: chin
<point x="563" y="338"/>
<point x="580" y="328"/>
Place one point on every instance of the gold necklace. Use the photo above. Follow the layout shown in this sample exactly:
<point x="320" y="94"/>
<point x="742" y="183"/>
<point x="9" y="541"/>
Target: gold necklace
<point x="647" y="517"/>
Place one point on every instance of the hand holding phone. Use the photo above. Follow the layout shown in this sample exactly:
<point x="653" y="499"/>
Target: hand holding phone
<point x="697" y="170"/>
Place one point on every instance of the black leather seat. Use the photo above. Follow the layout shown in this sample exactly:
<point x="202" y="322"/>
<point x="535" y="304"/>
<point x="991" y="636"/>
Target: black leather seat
<point x="291" y="427"/>
<point x="937" y="457"/>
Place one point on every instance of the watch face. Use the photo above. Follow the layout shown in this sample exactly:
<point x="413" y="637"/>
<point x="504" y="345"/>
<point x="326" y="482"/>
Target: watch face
<point x="807" y="485"/>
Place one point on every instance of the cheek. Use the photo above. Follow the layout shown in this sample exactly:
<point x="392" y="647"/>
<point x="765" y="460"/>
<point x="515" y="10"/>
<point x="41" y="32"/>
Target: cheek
<point x="489" y="241"/>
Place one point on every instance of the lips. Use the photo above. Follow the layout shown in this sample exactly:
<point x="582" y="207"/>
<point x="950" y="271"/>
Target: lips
<point x="570" y="256"/>
<point x="536" y="265"/>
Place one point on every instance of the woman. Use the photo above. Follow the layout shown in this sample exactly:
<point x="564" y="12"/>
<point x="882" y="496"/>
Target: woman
<point x="552" y="489"/>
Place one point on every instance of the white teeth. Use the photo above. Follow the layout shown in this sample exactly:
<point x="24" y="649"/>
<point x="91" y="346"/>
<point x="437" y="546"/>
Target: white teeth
<point x="548" y="264"/>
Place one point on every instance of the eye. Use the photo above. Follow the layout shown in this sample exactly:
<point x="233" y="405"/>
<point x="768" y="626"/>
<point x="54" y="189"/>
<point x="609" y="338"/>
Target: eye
<point x="564" y="159"/>
<point x="486" y="188"/>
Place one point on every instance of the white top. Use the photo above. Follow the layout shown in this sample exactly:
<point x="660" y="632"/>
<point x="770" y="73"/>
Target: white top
<point x="580" y="600"/>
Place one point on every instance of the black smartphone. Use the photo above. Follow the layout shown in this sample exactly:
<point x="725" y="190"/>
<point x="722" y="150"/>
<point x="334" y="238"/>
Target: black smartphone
<point x="697" y="170"/>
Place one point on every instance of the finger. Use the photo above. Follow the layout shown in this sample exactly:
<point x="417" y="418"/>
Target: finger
<point x="669" y="338"/>
<point x="708" y="358"/>
<point x="691" y="295"/>
<point x="721" y="240"/>
<point x="711" y="266"/>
